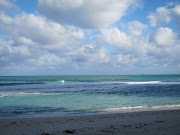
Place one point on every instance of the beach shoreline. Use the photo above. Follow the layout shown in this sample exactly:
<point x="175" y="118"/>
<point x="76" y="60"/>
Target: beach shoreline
<point x="126" y="123"/>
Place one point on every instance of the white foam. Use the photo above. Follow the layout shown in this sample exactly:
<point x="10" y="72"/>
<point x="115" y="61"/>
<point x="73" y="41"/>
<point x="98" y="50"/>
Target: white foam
<point x="142" y="108"/>
<point x="62" y="81"/>
<point x="141" y="82"/>
<point x="166" y="106"/>
<point x="148" y="82"/>
<point x="123" y="108"/>
<point x="151" y="82"/>
<point x="6" y="94"/>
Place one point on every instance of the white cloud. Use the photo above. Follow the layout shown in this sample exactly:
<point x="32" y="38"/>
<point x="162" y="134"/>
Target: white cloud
<point x="164" y="15"/>
<point x="5" y="19"/>
<point x="164" y="37"/>
<point x="20" y="50"/>
<point x="30" y="38"/>
<point x="123" y="41"/>
<point x="128" y="49"/>
<point x="115" y="37"/>
<point x="5" y="3"/>
<point x="8" y="6"/>
<point x="11" y="54"/>
<point x="3" y="51"/>
<point x="33" y="29"/>
<point x="176" y="10"/>
<point x="101" y="56"/>
<point x="136" y="28"/>
<point x="47" y="60"/>
<point x="25" y="40"/>
<point x="85" y="13"/>
<point x="124" y="59"/>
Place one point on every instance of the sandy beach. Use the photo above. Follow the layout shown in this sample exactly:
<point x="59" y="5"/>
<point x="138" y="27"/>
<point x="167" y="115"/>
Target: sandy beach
<point x="164" y="122"/>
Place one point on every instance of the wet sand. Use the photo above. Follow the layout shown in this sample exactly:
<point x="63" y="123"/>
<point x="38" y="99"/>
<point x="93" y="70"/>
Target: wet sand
<point x="164" y="122"/>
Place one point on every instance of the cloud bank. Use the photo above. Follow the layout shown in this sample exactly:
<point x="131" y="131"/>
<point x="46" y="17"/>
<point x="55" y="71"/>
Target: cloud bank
<point x="86" y="37"/>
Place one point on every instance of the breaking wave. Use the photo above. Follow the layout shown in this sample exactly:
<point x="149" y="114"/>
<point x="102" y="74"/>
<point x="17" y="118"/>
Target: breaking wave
<point x="142" y="108"/>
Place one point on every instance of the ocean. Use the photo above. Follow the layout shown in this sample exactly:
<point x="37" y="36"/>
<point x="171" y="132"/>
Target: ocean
<point x="48" y="96"/>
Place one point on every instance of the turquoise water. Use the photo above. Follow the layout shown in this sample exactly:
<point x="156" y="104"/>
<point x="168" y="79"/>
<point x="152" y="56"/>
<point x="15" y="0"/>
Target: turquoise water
<point x="70" y="95"/>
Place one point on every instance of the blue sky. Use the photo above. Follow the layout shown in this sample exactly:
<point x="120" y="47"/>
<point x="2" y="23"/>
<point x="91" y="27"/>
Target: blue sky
<point x="78" y="37"/>
<point x="28" y="6"/>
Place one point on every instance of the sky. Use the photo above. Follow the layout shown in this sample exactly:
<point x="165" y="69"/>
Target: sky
<point x="89" y="37"/>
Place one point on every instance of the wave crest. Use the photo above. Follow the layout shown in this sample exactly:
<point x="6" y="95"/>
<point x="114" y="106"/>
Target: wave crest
<point x="142" y="108"/>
